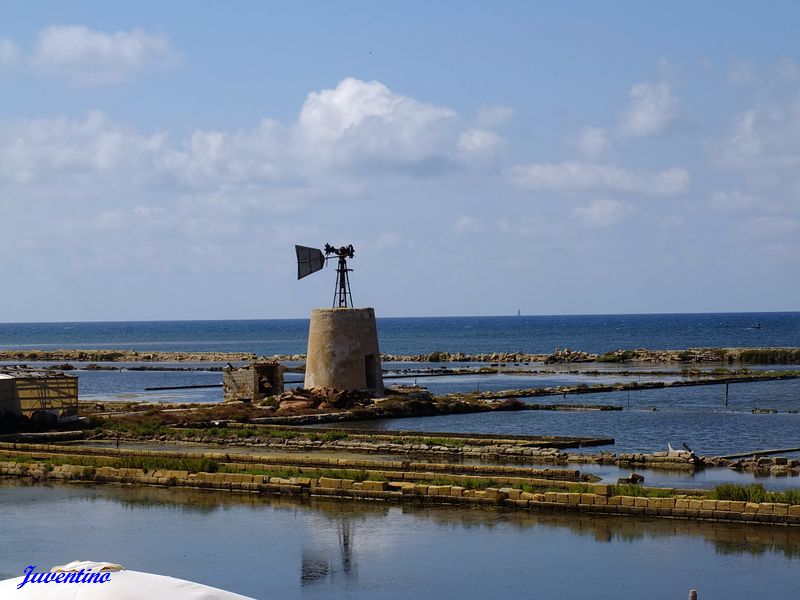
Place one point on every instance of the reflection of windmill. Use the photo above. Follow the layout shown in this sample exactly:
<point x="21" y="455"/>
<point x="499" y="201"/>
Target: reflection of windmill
<point x="311" y="260"/>
<point x="345" y="546"/>
<point x="316" y="566"/>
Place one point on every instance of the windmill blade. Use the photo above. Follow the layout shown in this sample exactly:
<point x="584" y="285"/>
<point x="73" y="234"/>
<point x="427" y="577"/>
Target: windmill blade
<point x="309" y="260"/>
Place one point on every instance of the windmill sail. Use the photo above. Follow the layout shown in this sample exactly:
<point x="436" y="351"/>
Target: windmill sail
<point x="309" y="260"/>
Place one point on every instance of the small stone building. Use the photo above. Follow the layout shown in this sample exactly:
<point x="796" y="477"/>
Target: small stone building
<point x="253" y="382"/>
<point x="44" y="396"/>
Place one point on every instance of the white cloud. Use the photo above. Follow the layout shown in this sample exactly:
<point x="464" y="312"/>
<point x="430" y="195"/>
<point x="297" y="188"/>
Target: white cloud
<point x="764" y="138"/>
<point x="478" y="145"/>
<point x="595" y="177"/>
<point x="339" y="135"/>
<point x="10" y="54"/>
<point x="652" y="110"/>
<point x="602" y="213"/>
<point x="494" y="116"/>
<point x="592" y="142"/>
<point x="55" y="151"/>
<point x="788" y="70"/>
<point x="90" y="57"/>
<point x="364" y="123"/>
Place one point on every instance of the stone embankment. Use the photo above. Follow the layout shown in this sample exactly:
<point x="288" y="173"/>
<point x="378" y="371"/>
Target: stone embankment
<point x="396" y="483"/>
<point x="790" y="355"/>
<point x="525" y="449"/>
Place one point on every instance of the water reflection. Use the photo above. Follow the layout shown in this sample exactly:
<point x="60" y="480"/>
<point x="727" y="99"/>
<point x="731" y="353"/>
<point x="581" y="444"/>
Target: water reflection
<point x="326" y="558"/>
<point x="319" y="564"/>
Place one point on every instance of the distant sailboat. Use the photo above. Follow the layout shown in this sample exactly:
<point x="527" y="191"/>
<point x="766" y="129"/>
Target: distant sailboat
<point x="519" y="314"/>
<point x="755" y="326"/>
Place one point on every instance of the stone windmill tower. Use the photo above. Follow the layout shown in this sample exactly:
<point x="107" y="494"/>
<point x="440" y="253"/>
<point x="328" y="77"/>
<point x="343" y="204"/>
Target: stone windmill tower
<point x="343" y="351"/>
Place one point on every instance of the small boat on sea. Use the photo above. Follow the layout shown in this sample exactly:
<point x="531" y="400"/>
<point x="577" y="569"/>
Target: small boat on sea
<point x="755" y="326"/>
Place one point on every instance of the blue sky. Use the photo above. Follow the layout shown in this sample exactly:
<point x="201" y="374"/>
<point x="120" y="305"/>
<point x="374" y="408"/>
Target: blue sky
<point x="160" y="160"/>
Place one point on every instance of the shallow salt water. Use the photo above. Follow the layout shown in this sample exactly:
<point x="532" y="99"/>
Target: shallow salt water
<point x="294" y="548"/>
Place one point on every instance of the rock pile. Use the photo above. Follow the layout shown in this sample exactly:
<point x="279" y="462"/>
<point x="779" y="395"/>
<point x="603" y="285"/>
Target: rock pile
<point x="569" y="356"/>
<point x="321" y="399"/>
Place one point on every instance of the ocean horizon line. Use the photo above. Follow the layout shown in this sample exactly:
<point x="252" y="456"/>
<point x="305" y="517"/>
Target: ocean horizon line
<point x="510" y="315"/>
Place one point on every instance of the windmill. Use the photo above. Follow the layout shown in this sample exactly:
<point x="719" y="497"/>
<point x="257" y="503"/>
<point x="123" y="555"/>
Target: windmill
<point x="343" y="351"/>
<point x="311" y="260"/>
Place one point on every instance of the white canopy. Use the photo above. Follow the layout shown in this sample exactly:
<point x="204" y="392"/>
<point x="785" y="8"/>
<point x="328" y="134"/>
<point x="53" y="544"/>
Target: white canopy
<point x="121" y="585"/>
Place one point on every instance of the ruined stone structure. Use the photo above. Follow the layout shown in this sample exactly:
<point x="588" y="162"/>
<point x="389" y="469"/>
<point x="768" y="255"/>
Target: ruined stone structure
<point x="343" y="350"/>
<point x="253" y="382"/>
<point x="44" y="396"/>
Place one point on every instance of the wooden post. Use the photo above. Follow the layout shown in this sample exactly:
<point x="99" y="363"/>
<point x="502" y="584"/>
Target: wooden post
<point x="692" y="594"/>
<point x="726" y="394"/>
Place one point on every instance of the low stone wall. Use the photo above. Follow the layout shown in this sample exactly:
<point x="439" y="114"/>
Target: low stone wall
<point x="596" y="501"/>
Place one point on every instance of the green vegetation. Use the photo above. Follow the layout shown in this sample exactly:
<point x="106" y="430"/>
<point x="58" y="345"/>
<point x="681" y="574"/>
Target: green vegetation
<point x="616" y="357"/>
<point x="146" y="463"/>
<point x="288" y="472"/>
<point x="144" y="427"/>
<point x="753" y="492"/>
<point x="328" y="436"/>
<point x="770" y="356"/>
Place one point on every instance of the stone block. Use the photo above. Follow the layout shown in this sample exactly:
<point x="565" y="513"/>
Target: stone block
<point x="751" y="507"/>
<point x="780" y="509"/>
<point x="709" y="505"/>
<point x="638" y="501"/>
<point x="627" y="501"/>
<point x="601" y="489"/>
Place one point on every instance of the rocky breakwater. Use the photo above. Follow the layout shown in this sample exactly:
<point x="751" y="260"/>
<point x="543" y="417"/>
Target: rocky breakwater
<point x="121" y="356"/>
<point x="777" y="466"/>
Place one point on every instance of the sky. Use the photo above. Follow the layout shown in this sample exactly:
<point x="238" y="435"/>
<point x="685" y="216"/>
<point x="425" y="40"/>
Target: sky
<point x="161" y="160"/>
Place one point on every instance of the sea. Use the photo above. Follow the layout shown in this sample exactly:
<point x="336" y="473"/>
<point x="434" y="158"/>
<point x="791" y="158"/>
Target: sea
<point x="422" y="335"/>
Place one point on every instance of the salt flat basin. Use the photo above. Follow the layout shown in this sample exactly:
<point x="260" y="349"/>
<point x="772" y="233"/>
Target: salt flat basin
<point x="113" y="583"/>
<point x="293" y="548"/>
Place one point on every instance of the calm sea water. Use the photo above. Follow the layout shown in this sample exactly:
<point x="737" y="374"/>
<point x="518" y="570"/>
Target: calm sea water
<point x="300" y="548"/>
<point x="535" y="334"/>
